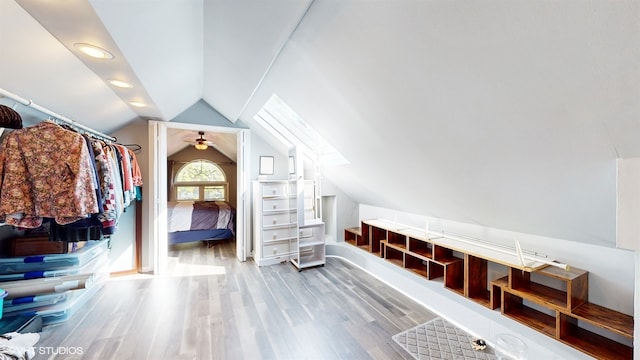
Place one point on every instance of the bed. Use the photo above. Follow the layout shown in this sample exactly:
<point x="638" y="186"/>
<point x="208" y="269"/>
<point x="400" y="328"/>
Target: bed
<point x="201" y="220"/>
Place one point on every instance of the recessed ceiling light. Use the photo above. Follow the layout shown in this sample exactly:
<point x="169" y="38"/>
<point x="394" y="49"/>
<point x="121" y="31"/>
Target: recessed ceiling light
<point x="94" y="51"/>
<point x="136" y="104"/>
<point x="120" y="84"/>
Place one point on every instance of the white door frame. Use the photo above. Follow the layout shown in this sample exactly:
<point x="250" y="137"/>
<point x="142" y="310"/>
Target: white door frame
<point x="158" y="189"/>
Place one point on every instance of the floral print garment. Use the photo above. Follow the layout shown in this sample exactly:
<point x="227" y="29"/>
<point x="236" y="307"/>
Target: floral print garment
<point x="45" y="171"/>
<point x="106" y="173"/>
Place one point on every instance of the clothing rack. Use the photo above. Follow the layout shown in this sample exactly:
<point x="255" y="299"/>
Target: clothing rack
<point x="56" y="116"/>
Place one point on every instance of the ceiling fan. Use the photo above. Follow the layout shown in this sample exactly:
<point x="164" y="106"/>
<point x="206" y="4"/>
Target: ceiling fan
<point x="201" y="143"/>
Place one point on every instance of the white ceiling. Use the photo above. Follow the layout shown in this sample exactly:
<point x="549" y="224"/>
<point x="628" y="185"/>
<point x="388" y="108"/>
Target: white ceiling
<point x="502" y="113"/>
<point x="225" y="143"/>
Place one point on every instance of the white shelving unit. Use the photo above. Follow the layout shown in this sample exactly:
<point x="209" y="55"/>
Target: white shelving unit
<point x="275" y="217"/>
<point x="311" y="249"/>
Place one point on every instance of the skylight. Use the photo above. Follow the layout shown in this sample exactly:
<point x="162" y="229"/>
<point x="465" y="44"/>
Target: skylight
<point x="288" y="127"/>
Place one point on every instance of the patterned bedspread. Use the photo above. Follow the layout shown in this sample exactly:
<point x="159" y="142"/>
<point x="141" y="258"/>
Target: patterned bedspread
<point x="201" y="215"/>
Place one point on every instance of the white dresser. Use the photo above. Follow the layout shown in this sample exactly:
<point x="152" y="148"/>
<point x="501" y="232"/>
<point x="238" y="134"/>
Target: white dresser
<point x="275" y="221"/>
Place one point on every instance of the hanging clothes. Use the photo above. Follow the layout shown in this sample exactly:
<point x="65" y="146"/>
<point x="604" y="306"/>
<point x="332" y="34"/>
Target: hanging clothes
<point x="94" y="170"/>
<point x="80" y="184"/>
<point x="45" y="171"/>
<point x="127" y="178"/>
<point x="112" y="156"/>
<point x="106" y="173"/>
<point x="135" y="169"/>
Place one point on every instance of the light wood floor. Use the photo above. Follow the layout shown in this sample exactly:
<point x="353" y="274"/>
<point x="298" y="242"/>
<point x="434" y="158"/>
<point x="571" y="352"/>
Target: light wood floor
<point x="214" y="307"/>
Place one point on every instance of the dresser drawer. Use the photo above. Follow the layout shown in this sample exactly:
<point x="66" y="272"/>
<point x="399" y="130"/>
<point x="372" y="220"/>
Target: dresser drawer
<point x="279" y="234"/>
<point x="274" y="190"/>
<point x="277" y="249"/>
<point x="278" y="219"/>
<point x="275" y="204"/>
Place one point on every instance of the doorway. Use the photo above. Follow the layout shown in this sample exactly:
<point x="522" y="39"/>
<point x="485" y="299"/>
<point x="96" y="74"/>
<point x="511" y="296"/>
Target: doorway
<point x="158" y="143"/>
<point x="329" y="217"/>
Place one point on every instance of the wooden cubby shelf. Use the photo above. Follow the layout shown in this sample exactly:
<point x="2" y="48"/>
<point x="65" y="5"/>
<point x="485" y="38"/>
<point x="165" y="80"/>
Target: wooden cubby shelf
<point x="593" y="344"/>
<point x="614" y="321"/>
<point x="513" y="306"/>
<point x="548" y="299"/>
<point x="417" y="264"/>
<point x="353" y="236"/>
<point x="421" y="248"/>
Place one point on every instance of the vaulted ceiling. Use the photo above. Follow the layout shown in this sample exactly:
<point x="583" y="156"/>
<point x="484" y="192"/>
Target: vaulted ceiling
<point x="508" y="114"/>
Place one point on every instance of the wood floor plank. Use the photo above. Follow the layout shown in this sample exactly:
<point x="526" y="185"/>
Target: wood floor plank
<point x="213" y="307"/>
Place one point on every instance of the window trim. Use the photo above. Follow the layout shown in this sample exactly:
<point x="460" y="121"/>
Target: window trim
<point x="200" y="184"/>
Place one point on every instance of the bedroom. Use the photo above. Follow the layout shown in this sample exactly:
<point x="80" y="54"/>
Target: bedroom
<point x="196" y="175"/>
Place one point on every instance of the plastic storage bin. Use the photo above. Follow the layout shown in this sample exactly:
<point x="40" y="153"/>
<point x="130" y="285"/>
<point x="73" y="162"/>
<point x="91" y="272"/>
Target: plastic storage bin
<point x="62" y="311"/>
<point x="11" y="306"/>
<point x="3" y="294"/>
<point x="91" y="266"/>
<point x="16" y="265"/>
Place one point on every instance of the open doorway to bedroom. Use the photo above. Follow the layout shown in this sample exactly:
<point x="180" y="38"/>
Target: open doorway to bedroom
<point x="199" y="192"/>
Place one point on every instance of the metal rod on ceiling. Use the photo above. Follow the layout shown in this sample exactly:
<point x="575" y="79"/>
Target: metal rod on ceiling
<point x="31" y="104"/>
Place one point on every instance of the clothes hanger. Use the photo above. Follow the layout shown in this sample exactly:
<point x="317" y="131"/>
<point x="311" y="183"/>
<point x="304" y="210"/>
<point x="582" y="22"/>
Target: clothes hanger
<point x="134" y="147"/>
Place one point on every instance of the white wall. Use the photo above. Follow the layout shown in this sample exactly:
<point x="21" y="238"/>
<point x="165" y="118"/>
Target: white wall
<point x="134" y="133"/>
<point x="628" y="204"/>
<point x="122" y="257"/>
<point x="506" y="114"/>
<point x="347" y="209"/>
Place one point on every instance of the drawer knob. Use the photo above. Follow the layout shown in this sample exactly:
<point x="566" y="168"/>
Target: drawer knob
<point x="274" y="206"/>
<point x="274" y="221"/>
<point x="274" y="236"/>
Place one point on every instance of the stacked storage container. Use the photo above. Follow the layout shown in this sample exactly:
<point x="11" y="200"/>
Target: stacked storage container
<point x="54" y="286"/>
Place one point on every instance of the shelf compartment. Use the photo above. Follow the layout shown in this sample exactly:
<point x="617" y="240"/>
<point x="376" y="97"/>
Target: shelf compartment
<point x="611" y="320"/>
<point x="420" y="247"/>
<point x="453" y="268"/>
<point x="593" y="344"/>
<point x="393" y="254"/>
<point x="576" y="280"/>
<point x="513" y="307"/>
<point x="475" y="279"/>
<point x="310" y="256"/>
<point x="435" y="270"/>
<point x="495" y="296"/>
<point x="366" y="234"/>
<point x="377" y="235"/>
<point x="416" y="264"/>
<point x="520" y="283"/>
<point x="444" y="256"/>
<point x="353" y="236"/>
<point x="397" y="239"/>
<point x="454" y="275"/>
<point x="362" y="242"/>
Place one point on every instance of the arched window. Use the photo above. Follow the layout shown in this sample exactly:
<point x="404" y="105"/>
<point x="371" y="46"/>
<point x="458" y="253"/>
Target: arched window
<point x="200" y="180"/>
